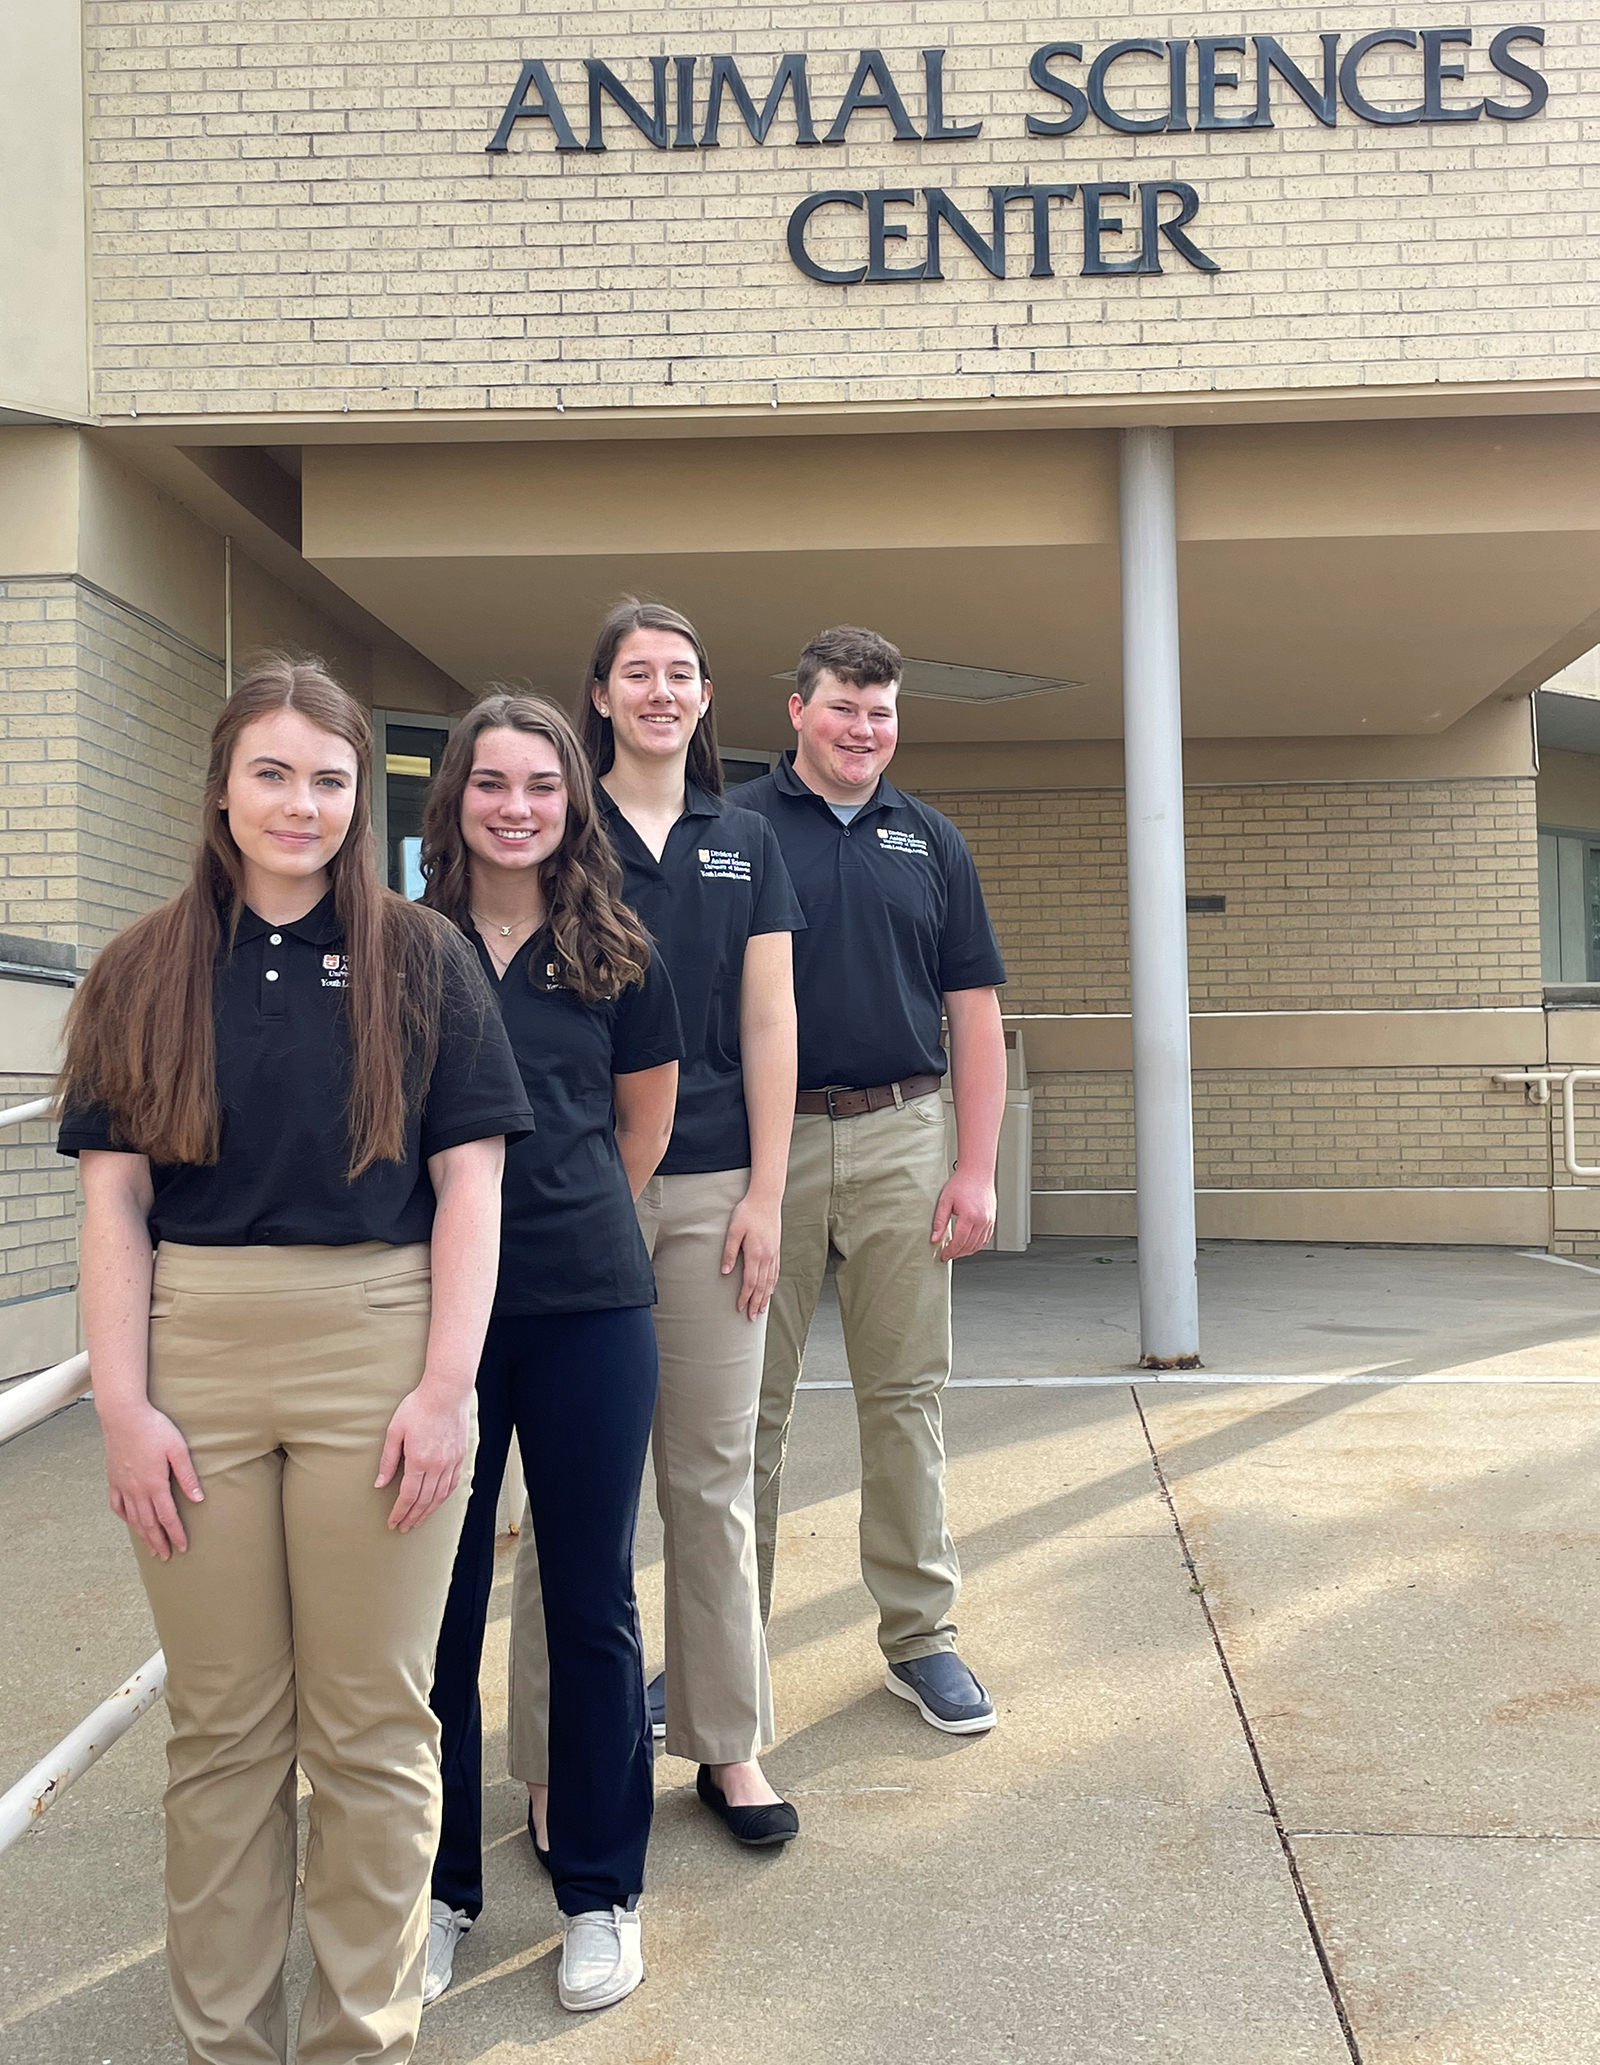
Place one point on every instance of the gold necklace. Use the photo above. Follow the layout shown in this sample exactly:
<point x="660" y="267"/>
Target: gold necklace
<point x="505" y="931"/>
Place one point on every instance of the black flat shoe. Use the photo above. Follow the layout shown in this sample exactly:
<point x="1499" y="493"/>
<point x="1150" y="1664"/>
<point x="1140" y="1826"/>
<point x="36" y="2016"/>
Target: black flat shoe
<point x="542" y="1855"/>
<point x="762" y="1828"/>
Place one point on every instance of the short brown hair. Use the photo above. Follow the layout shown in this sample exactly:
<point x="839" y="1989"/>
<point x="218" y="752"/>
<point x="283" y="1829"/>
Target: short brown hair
<point x="860" y="659"/>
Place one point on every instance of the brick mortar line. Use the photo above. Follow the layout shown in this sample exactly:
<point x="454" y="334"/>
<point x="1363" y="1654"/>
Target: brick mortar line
<point x="1284" y="1843"/>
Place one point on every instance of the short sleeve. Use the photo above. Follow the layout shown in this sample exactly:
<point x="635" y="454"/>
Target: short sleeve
<point x="475" y="1091"/>
<point x="777" y="908"/>
<point x="646" y="1032"/>
<point x="89" y="1129"/>
<point x="969" y="953"/>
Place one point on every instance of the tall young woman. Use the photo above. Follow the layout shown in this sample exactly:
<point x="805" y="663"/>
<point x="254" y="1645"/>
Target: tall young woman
<point x="289" y="1091"/>
<point x="710" y="886"/>
<point x="514" y="855"/>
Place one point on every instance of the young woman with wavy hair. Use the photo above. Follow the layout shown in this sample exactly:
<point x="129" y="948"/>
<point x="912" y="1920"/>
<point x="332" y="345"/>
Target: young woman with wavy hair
<point x="709" y="882"/>
<point x="514" y="854"/>
<point x="288" y="1091"/>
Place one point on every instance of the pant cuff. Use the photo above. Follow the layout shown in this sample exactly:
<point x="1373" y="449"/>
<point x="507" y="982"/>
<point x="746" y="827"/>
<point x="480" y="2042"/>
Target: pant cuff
<point x="918" y="1646"/>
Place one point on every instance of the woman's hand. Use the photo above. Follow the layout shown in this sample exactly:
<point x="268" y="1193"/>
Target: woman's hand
<point x="755" y="1230"/>
<point x="144" y="1453"/>
<point x="430" y="1430"/>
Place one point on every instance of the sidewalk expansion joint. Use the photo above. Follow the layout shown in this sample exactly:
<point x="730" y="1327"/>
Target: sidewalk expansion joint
<point x="1448" y="1835"/>
<point x="1284" y="1844"/>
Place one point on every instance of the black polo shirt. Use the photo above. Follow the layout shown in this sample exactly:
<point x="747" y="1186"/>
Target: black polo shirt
<point x="720" y="881"/>
<point x="283" y="1063"/>
<point x="894" y="918"/>
<point x="569" y="1237"/>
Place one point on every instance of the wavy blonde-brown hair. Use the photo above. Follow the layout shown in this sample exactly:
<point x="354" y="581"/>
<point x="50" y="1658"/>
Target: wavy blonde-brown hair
<point x="141" y="1035"/>
<point x="602" y="947"/>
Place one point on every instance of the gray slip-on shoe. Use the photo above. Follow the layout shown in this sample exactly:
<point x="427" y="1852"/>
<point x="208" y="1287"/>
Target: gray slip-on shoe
<point x="944" y="1692"/>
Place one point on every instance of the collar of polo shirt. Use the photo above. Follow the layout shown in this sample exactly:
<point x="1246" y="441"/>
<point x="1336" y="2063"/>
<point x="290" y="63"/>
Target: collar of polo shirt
<point x="319" y="927"/>
<point x="885" y="796"/>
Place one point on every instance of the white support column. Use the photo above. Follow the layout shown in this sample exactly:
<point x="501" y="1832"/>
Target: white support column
<point x="1163" y="1126"/>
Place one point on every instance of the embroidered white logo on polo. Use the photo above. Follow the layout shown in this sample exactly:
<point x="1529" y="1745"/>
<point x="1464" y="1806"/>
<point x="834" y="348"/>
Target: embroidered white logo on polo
<point x="719" y="865"/>
<point x="901" y="842"/>
<point x="335" y="972"/>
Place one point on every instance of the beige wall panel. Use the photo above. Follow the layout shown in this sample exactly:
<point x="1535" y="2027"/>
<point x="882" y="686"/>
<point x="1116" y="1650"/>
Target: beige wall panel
<point x="1574" y="1038"/>
<point x="1569" y="790"/>
<point x="38" y="1333"/>
<point x="786" y="495"/>
<point x="1324" y="481"/>
<point x="1494" y="739"/>
<point x="44" y="304"/>
<point x="419" y="274"/>
<point x="1488" y="1218"/>
<point x="31" y="1017"/>
<point x="267" y="616"/>
<point x="1305" y="1039"/>
<point x="146" y="549"/>
<point x="39" y="491"/>
<point x="1576" y="1210"/>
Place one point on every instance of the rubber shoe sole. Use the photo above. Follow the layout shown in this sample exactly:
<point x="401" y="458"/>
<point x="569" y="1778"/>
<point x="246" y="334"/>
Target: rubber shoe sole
<point x="625" y="1985"/>
<point x="902" y="1690"/>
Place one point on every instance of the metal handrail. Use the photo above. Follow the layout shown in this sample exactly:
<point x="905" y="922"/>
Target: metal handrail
<point x="24" y="1805"/>
<point x="19" y="1114"/>
<point x="1538" y="1083"/>
<point x="22" y="1406"/>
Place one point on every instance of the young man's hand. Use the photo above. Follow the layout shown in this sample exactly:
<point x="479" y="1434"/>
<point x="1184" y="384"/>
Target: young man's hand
<point x="963" y="1219"/>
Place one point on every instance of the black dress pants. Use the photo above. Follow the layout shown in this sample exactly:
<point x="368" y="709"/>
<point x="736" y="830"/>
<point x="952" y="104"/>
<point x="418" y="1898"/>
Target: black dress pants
<point x="578" y="1389"/>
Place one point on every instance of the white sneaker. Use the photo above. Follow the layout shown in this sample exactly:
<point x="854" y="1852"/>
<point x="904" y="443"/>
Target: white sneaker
<point x="446" y="1927"/>
<point x="602" y="1959"/>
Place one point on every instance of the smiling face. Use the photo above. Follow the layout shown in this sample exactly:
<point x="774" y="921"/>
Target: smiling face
<point x="655" y="695"/>
<point x="846" y="737"/>
<point x="290" y="797"/>
<point x="514" y="806"/>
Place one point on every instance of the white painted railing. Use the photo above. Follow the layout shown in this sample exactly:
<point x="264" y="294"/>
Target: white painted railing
<point x="1537" y="1085"/>
<point x="23" y="1406"/>
<point x="32" y="1796"/>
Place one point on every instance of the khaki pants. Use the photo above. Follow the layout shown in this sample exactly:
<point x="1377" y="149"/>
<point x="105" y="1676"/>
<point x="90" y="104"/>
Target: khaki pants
<point x="719" y="1696"/>
<point x="298" y="1629"/>
<point x="866" y="1187"/>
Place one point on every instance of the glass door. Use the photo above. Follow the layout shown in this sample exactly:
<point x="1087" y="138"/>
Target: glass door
<point x="410" y="746"/>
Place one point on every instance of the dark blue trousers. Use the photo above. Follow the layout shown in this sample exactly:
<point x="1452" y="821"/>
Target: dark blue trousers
<point x="579" y="1389"/>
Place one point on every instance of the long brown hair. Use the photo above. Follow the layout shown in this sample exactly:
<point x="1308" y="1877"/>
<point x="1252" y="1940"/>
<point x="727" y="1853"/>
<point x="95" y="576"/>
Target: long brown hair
<point x="141" y="1035"/>
<point x="601" y="945"/>
<point x="704" y="766"/>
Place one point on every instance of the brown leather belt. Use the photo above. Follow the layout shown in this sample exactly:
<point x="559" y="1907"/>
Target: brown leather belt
<point x="854" y="1104"/>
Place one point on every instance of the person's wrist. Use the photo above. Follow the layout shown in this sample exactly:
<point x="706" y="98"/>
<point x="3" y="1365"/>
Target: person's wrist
<point x="766" y="1196"/>
<point x="445" y="1387"/>
<point x="115" y="1413"/>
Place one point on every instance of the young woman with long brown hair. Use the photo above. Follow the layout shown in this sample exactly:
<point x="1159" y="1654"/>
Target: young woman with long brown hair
<point x="289" y="1092"/>
<point x="709" y="883"/>
<point x="514" y="854"/>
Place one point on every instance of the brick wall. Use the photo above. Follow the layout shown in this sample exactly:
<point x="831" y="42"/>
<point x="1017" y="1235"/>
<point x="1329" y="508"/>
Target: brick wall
<point x="1300" y="1129"/>
<point x="38" y="1204"/>
<point x="292" y="208"/>
<point x="1340" y="897"/>
<point x="104" y="734"/>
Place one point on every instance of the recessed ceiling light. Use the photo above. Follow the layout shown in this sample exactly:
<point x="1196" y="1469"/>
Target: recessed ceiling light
<point x="942" y="681"/>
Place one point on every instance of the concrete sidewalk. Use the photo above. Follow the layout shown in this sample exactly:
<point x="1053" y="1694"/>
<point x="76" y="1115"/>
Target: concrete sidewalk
<point x="1326" y="1791"/>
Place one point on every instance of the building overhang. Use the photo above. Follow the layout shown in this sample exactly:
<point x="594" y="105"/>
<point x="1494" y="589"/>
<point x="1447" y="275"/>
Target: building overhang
<point x="1335" y="579"/>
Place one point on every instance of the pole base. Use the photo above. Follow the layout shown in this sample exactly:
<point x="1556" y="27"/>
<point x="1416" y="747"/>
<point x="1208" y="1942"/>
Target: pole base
<point x="1170" y="1362"/>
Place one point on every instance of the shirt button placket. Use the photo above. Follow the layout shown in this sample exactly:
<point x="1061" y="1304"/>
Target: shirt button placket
<point x="272" y="1005"/>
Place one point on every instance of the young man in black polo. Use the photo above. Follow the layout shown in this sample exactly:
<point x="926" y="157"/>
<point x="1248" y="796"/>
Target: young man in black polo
<point x="897" y="939"/>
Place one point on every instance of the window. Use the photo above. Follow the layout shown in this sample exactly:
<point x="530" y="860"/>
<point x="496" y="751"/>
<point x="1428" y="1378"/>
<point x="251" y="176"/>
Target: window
<point x="410" y="745"/>
<point x="1569" y="905"/>
<point x="746" y="764"/>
